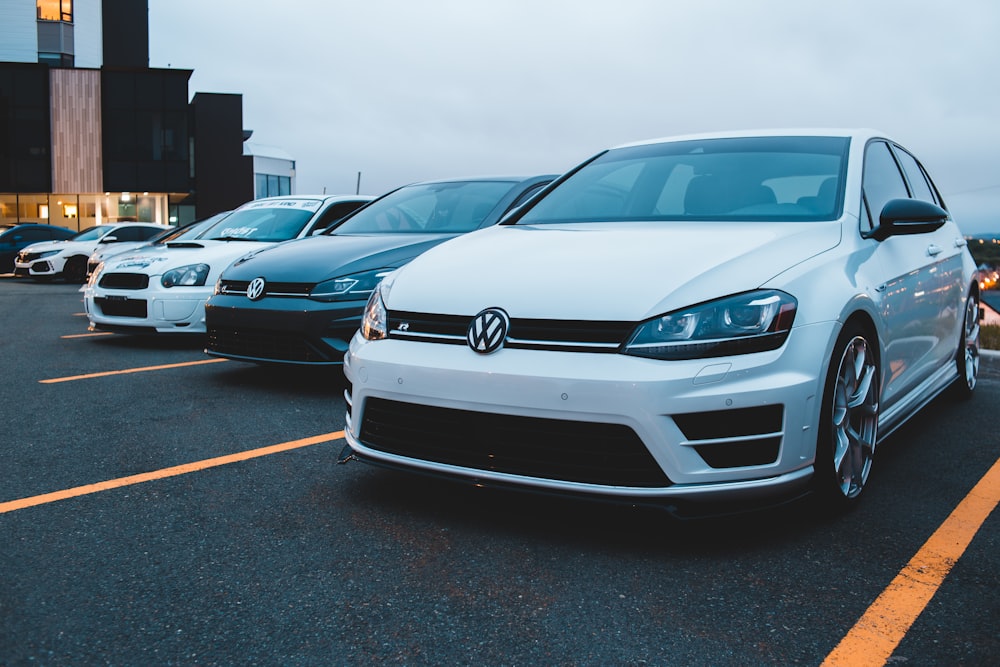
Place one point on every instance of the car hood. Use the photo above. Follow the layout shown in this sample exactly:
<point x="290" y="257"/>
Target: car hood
<point x="318" y="258"/>
<point x="603" y="271"/>
<point x="62" y="246"/>
<point x="154" y="260"/>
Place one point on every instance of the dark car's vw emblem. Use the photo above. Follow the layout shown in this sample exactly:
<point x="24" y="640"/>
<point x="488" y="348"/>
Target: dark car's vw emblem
<point x="255" y="289"/>
<point x="488" y="330"/>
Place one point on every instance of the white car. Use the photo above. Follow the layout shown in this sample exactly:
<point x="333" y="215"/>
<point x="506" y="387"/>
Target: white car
<point x="190" y="230"/>
<point x="728" y="317"/>
<point x="68" y="259"/>
<point x="163" y="288"/>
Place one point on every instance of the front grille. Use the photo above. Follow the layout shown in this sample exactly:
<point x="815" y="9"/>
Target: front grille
<point x="567" y="335"/>
<point x="265" y="345"/>
<point x="124" y="281"/>
<point x="239" y="288"/>
<point x="121" y="306"/>
<point x="735" y="438"/>
<point x="25" y="257"/>
<point x="591" y="453"/>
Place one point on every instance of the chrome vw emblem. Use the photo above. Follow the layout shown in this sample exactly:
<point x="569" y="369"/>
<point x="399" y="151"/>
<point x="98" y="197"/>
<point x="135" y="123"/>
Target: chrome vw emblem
<point x="488" y="330"/>
<point x="255" y="289"/>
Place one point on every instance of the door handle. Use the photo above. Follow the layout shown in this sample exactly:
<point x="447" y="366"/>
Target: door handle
<point x="933" y="249"/>
<point x="960" y="242"/>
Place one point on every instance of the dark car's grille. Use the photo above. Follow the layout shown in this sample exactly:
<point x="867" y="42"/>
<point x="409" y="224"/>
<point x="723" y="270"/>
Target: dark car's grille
<point x="121" y="307"/>
<point x="266" y="345"/>
<point x="592" y="453"/>
<point x="124" y="281"/>
<point x="741" y="437"/>
<point x="569" y="335"/>
<point x="239" y="287"/>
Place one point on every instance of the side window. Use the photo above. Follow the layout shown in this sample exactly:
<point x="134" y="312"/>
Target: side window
<point x="916" y="176"/>
<point x="146" y="233"/>
<point x="881" y="182"/>
<point x="35" y="235"/>
<point x="335" y="212"/>
<point x="123" y="234"/>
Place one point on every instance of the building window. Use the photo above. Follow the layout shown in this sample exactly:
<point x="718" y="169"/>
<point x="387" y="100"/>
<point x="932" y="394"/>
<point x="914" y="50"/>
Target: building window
<point x="55" y="10"/>
<point x="56" y="59"/>
<point x="270" y="185"/>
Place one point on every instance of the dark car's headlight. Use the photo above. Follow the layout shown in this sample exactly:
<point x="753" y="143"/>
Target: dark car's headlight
<point x="192" y="275"/>
<point x="739" y="324"/>
<point x="349" y="288"/>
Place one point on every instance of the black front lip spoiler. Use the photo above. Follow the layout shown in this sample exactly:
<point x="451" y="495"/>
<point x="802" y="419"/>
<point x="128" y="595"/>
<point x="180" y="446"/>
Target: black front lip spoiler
<point x="676" y="508"/>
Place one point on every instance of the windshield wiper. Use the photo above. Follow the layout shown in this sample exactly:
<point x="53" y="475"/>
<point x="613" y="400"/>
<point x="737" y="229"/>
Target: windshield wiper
<point x="232" y="238"/>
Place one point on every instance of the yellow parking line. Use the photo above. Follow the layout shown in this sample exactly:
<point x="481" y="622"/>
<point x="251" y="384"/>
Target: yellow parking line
<point x="43" y="499"/>
<point x="89" y="335"/>
<point x="878" y="632"/>
<point x="131" y="370"/>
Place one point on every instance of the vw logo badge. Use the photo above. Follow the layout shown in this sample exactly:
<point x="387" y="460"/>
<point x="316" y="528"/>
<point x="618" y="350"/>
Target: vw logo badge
<point x="488" y="330"/>
<point x="255" y="289"/>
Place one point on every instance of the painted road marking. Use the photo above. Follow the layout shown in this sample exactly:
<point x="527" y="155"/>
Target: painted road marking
<point x="45" y="498"/>
<point x="89" y="335"/>
<point x="131" y="370"/>
<point x="878" y="632"/>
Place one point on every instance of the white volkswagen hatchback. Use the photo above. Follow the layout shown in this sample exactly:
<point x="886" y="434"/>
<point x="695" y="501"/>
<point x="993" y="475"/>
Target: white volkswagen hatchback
<point x="163" y="288"/>
<point x="702" y="318"/>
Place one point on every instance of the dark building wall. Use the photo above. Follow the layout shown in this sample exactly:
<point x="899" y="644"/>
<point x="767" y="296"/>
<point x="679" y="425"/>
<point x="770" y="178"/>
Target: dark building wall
<point x="25" y="135"/>
<point x="125" y="26"/>
<point x="223" y="175"/>
<point x="145" y="129"/>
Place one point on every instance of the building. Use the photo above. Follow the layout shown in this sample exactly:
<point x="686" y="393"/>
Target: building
<point x="89" y="133"/>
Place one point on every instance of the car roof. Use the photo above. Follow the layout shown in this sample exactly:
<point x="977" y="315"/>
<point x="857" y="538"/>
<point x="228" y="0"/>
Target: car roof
<point x="852" y="133"/>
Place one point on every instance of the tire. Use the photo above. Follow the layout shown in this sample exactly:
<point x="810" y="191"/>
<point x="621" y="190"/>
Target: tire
<point x="848" y="425"/>
<point x="967" y="357"/>
<point x="75" y="270"/>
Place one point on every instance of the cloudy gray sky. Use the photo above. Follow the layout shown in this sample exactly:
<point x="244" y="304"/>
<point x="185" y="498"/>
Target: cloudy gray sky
<point x="405" y="90"/>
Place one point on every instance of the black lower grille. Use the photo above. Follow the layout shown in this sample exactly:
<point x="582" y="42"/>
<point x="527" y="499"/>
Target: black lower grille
<point x="592" y="453"/>
<point x="124" y="280"/>
<point x="752" y="435"/>
<point x="121" y="307"/>
<point x="265" y="345"/>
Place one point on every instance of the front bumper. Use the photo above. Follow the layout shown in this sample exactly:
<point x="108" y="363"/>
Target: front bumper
<point x="280" y="330"/>
<point x="596" y="424"/>
<point x="154" y="309"/>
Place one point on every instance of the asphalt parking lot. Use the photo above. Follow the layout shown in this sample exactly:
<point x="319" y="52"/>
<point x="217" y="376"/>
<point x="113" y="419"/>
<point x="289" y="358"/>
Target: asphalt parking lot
<point x="161" y="507"/>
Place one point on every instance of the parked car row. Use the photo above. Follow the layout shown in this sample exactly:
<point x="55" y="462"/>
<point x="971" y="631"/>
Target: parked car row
<point x="710" y="318"/>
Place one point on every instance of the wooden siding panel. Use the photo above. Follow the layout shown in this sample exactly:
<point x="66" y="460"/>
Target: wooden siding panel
<point x="76" y="131"/>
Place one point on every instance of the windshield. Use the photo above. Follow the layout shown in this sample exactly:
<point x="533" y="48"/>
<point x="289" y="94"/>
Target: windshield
<point x="92" y="234"/>
<point x="188" y="231"/>
<point x="263" y="220"/>
<point x="736" y="179"/>
<point x="431" y="208"/>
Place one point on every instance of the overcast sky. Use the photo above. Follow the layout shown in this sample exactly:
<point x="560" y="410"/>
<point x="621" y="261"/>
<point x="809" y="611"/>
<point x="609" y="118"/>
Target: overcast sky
<point x="406" y="90"/>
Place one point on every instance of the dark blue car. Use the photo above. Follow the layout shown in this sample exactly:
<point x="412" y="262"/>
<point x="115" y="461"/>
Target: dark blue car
<point x="300" y="302"/>
<point x="16" y="237"/>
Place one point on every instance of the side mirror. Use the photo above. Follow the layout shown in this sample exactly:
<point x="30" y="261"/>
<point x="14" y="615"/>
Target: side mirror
<point x="109" y="239"/>
<point x="908" y="216"/>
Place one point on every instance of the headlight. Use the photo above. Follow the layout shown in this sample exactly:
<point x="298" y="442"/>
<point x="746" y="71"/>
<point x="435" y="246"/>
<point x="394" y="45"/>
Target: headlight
<point x="192" y="275"/>
<point x="349" y="288"/>
<point x="48" y="253"/>
<point x="739" y="324"/>
<point x="375" y="319"/>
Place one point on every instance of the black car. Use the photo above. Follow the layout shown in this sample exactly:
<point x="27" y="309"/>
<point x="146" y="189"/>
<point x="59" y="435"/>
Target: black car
<point x="300" y="302"/>
<point x="15" y="237"/>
